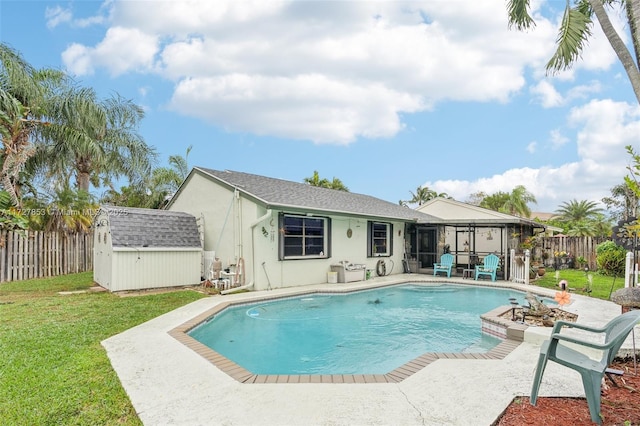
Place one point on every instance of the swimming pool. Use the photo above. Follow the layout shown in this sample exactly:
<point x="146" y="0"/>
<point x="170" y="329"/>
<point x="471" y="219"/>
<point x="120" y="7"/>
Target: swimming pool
<point x="366" y="332"/>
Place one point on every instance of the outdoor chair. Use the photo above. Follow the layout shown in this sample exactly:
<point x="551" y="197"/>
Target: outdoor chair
<point x="446" y="262"/>
<point x="591" y="370"/>
<point x="488" y="267"/>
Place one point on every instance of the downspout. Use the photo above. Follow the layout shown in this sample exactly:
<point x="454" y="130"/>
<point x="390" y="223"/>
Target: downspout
<point x="253" y="253"/>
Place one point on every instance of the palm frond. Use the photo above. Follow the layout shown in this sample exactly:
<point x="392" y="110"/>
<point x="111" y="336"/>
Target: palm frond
<point x="518" y="13"/>
<point x="572" y="37"/>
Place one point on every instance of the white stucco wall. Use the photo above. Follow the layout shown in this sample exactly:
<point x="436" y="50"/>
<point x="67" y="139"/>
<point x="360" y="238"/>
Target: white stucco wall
<point x="237" y="227"/>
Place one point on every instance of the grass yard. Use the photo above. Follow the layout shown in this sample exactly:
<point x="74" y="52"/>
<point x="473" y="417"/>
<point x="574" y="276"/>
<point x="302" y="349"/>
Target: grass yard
<point x="601" y="285"/>
<point x="53" y="370"/>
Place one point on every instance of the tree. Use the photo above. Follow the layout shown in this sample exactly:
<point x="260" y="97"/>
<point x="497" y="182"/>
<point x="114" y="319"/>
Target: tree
<point x="576" y="211"/>
<point x="70" y="210"/>
<point x="476" y="198"/>
<point x="424" y="194"/>
<point x="517" y="203"/>
<point x="575" y="31"/>
<point x="513" y="203"/>
<point x="165" y="181"/>
<point x="325" y="183"/>
<point x="623" y="203"/>
<point x="155" y="191"/>
<point x="582" y="218"/>
<point x="25" y="94"/>
<point x="95" y="140"/>
<point x="495" y="201"/>
<point x="59" y="129"/>
<point x="128" y="196"/>
<point x="10" y="218"/>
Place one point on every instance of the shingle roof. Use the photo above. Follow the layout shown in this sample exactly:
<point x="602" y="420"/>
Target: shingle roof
<point x="278" y="193"/>
<point x="135" y="227"/>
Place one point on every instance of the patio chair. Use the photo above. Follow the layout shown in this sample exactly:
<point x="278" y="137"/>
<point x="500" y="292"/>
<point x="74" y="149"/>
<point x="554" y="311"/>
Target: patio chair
<point x="446" y="262"/>
<point x="489" y="267"/>
<point x="591" y="370"/>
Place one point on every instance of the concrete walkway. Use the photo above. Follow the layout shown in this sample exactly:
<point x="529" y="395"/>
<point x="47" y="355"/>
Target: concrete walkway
<point x="169" y="384"/>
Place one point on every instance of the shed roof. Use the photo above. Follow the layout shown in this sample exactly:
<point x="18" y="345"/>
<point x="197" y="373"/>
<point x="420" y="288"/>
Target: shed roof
<point x="283" y="194"/>
<point x="136" y="227"/>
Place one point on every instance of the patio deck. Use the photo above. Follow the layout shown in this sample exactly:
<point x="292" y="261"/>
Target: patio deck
<point x="169" y="383"/>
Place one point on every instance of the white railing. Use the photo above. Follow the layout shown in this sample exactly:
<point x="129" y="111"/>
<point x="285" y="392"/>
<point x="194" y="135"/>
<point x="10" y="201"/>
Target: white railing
<point x="519" y="267"/>
<point x="630" y="271"/>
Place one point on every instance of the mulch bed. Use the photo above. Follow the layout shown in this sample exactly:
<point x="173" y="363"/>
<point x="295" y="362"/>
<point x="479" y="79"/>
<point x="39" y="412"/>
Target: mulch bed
<point x="620" y="405"/>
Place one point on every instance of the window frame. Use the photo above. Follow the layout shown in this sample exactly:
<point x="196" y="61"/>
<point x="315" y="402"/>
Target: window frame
<point x="305" y="234"/>
<point x="374" y="228"/>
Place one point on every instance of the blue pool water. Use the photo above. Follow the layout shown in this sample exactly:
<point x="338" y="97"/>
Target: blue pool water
<point x="367" y="332"/>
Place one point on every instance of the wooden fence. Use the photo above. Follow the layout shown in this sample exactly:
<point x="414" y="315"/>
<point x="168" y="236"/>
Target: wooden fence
<point x="576" y="246"/>
<point x="36" y="254"/>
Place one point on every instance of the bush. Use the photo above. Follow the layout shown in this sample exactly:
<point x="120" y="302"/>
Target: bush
<point x="610" y="258"/>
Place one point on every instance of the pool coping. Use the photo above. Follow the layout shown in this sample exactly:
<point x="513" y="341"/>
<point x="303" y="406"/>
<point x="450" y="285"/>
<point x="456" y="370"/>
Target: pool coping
<point x="512" y="335"/>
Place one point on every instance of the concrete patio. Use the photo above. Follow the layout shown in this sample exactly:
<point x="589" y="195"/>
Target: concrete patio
<point x="170" y="384"/>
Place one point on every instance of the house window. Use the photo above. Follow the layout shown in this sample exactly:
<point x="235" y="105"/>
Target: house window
<point x="304" y="237"/>
<point x="379" y="239"/>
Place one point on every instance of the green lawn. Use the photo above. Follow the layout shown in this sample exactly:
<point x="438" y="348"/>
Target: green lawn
<point x="601" y="284"/>
<point x="53" y="370"/>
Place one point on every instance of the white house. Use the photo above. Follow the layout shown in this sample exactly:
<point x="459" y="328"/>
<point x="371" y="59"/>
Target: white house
<point x="143" y="248"/>
<point x="271" y="233"/>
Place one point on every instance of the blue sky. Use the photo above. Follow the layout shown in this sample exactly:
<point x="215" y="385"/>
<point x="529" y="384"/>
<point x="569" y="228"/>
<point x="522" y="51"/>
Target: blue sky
<point x="384" y="95"/>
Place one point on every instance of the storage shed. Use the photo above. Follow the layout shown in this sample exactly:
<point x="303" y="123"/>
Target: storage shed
<point x="137" y="249"/>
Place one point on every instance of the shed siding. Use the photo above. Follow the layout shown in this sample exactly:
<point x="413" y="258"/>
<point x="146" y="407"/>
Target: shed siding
<point x="138" y="270"/>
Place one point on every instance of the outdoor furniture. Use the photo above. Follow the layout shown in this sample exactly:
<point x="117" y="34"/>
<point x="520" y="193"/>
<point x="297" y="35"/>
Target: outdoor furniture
<point x="489" y="267"/>
<point x="349" y="272"/>
<point x="446" y="262"/>
<point x="592" y="370"/>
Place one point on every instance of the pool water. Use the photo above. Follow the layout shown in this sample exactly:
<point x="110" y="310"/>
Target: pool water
<point x="366" y="332"/>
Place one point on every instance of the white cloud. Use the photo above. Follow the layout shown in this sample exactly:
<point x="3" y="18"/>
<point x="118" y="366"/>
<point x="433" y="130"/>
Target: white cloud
<point x="408" y="55"/>
<point x="547" y="95"/>
<point x="531" y="147"/>
<point x="121" y="50"/>
<point x="557" y="139"/>
<point x="604" y="127"/>
<point x="56" y="16"/>
<point x="340" y="112"/>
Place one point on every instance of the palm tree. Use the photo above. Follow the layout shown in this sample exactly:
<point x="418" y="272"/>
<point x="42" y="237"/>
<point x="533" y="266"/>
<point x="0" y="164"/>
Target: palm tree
<point x="325" y="183"/>
<point x="575" y="31"/>
<point x="602" y="225"/>
<point x="130" y="196"/>
<point x="495" y="201"/>
<point x="24" y="97"/>
<point x="424" y="194"/>
<point x="70" y="211"/>
<point x="95" y="140"/>
<point x="10" y="218"/>
<point x="576" y="211"/>
<point x="165" y="181"/>
<point x="517" y="203"/>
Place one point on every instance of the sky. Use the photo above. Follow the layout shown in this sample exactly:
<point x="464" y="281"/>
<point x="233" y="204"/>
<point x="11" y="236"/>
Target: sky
<point x="386" y="96"/>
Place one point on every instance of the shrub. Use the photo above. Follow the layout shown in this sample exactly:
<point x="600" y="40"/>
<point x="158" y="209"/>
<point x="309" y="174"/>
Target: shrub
<point x="610" y="258"/>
